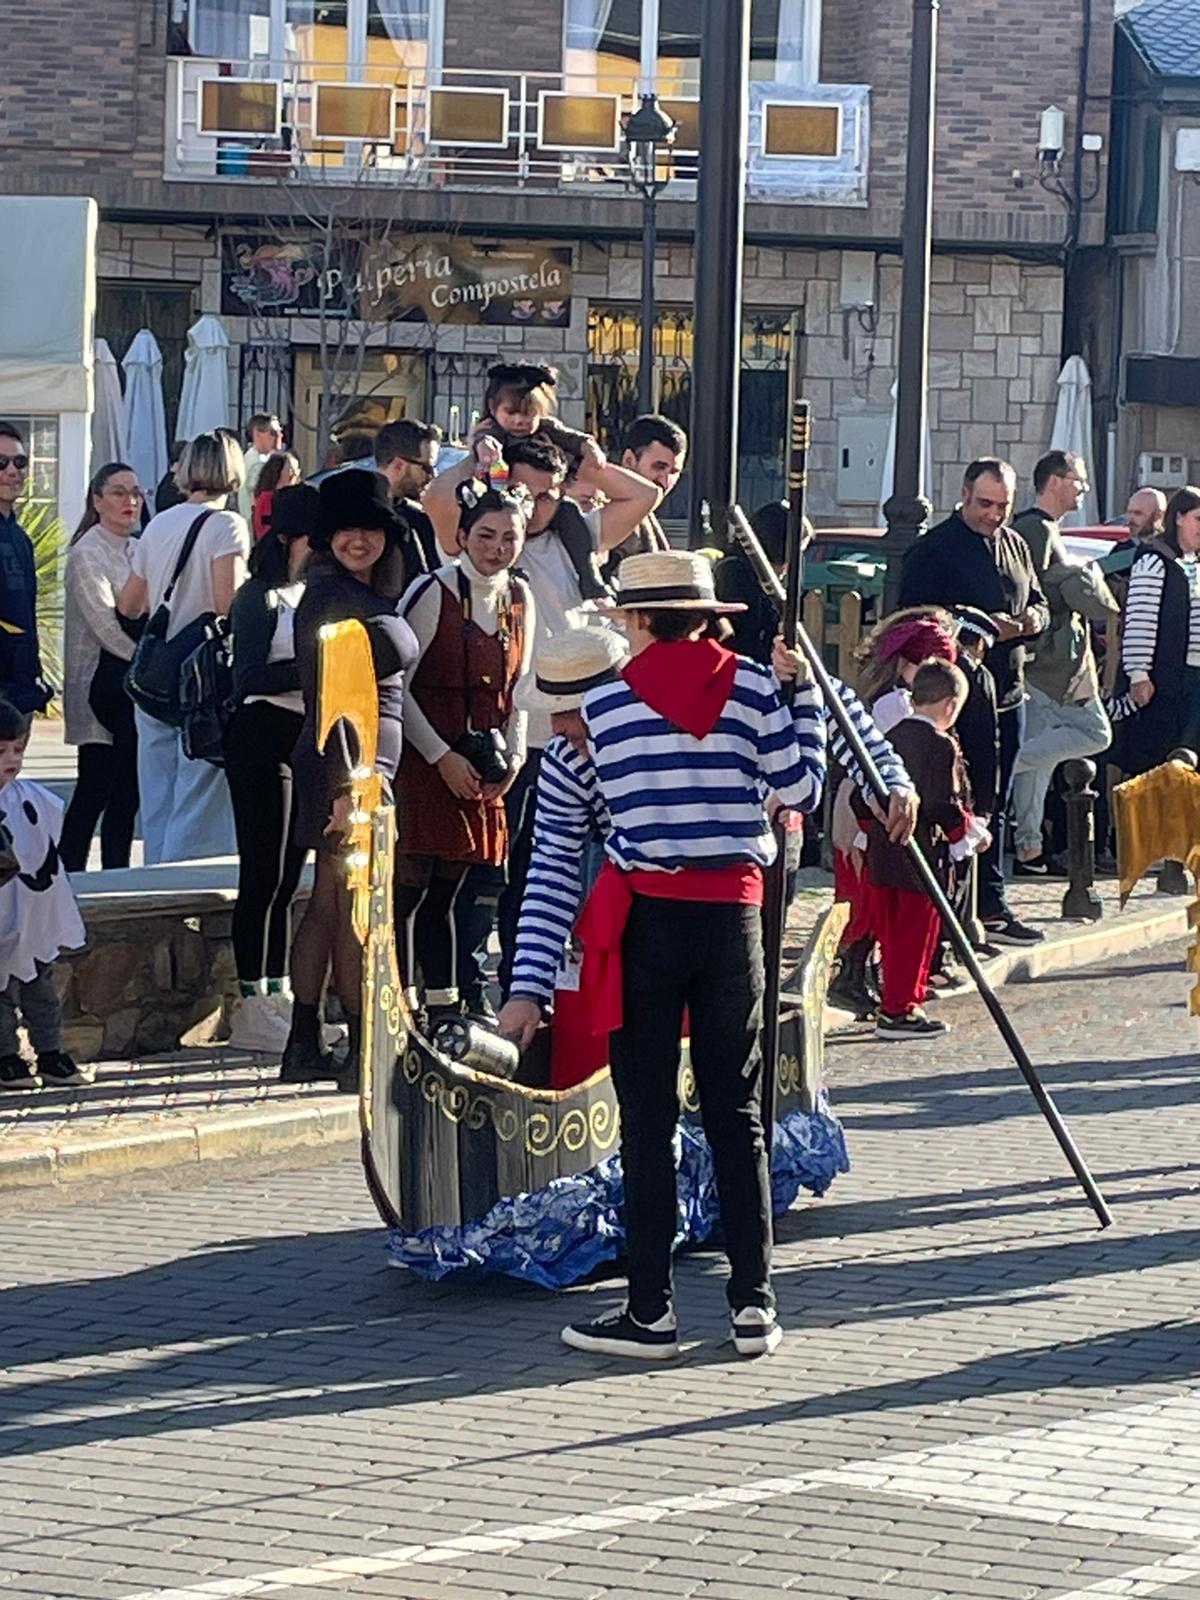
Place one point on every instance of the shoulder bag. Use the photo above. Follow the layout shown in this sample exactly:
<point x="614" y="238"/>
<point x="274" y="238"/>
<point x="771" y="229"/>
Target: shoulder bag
<point x="153" y="679"/>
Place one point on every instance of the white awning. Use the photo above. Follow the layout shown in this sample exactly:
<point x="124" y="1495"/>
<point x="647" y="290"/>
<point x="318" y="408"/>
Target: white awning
<point x="48" y="290"/>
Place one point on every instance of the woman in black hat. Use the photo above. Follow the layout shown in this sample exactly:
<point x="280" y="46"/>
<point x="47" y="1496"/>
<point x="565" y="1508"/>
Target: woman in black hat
<point x="353" y="575"/>
<point x="258" y="746"/>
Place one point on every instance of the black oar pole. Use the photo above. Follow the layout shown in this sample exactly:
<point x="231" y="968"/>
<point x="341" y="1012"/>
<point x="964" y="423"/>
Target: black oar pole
<point x="746" y="537"/>
<point x="775" y="900"/>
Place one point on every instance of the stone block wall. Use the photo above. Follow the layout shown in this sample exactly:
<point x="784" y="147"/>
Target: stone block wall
<point x="995" y="343"/>
<point x="146" y="983"/>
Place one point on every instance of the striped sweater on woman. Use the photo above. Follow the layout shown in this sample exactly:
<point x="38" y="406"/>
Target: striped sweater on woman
<point x="664" y="800"/>
<point x="1139" y="642"/>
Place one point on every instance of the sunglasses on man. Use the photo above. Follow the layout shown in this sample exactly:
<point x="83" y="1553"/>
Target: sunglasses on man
<point x="20" y="462"/>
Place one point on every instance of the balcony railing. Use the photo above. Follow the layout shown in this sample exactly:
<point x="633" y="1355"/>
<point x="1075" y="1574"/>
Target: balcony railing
<point x="297" y="123"/>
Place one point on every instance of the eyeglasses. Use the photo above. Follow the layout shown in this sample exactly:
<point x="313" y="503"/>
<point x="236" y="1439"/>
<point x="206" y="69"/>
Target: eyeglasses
<point x="20" y="462"/>
<point x="426" y="468"/>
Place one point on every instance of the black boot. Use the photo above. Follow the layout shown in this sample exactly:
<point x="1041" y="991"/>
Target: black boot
<point x="850" y="990"/>
<point x="304" y="1058"/>
<point x="350" y="1076"/>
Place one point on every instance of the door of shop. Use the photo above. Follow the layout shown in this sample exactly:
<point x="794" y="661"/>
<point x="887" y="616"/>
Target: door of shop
<point x="358" y="399"/>
<point x="769" y="343"/>
<point x="168" y="310"/>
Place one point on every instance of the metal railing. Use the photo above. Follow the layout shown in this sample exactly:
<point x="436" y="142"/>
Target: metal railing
<point x="459" y="128"/>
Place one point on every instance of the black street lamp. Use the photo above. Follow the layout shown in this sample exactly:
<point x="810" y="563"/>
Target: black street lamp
<point x="907" y="509"/>
<point x="649" y="135"/>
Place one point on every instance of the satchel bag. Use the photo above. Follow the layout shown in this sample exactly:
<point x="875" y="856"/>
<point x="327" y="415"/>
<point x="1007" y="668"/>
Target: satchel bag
<point x="153" y="679"/>
<point x="206" y="697"/>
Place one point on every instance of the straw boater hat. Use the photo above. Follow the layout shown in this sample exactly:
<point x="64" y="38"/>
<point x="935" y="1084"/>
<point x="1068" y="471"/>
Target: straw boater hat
<point x="669" y="580"/>
<point x="570" y="664"/>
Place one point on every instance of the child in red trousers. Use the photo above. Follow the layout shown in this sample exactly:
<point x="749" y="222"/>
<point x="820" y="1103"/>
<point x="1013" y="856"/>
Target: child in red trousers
<point x="906" y="922"/>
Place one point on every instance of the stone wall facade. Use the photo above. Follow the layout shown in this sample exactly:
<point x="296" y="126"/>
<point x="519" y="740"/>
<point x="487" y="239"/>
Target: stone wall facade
<point x="995" y="339"/>
<point x="147" y="982"/>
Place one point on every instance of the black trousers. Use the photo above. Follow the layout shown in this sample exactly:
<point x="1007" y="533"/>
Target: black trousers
<point x="106" y="792"/>
<point x="521" y="804"/>
<point x="993" y="900"/>
<point x="709" y="958"/>
<point x="258" y="742"/>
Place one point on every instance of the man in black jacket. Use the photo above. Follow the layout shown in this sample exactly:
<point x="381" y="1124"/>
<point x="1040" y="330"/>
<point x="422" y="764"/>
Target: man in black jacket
<point x="975" y="558"/>
<point x="21" y="681"/>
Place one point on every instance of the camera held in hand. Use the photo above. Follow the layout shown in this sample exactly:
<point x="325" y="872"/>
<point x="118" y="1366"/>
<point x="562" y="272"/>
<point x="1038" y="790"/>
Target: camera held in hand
<point x="487" y="753"/>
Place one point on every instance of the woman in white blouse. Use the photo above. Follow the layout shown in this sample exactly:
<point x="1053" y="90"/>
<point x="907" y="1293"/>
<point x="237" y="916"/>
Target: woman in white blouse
<point x="186" y="812"/>
<point x="97" y="713"/>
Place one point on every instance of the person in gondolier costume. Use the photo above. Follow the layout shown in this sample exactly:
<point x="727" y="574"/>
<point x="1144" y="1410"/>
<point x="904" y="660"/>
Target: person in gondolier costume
<point x="682" y="751"/>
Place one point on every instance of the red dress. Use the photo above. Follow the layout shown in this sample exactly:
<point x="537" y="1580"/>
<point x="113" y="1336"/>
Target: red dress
<point x="432" y="821"/>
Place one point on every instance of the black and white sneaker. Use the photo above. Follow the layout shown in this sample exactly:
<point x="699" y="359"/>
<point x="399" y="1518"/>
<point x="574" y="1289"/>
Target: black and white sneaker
<point x="910" y="1025"/>
<point x="57" y="1070"/>
<point x="1007" y="930"/>
<point x="756" y="1332"/>
<point x="619" y="1334"/>
<point x="1040" y="866"/>
<point x="16" y="1073"/>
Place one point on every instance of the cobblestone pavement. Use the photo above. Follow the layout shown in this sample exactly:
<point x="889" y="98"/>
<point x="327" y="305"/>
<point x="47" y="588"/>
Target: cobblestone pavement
<point x="136" y="1100"/>
<point x="216" y="1389"/>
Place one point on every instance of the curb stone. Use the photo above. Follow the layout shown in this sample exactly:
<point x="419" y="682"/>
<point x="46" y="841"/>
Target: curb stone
<point x="225" y="1135"/>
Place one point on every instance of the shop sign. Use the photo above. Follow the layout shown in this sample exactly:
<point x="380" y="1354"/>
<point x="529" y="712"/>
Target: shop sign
<point x="430" y="278"/>
<point x="274" y="277"/>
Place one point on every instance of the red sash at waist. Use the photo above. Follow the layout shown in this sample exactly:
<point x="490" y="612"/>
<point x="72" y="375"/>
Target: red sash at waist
<point x="602" y="924"/>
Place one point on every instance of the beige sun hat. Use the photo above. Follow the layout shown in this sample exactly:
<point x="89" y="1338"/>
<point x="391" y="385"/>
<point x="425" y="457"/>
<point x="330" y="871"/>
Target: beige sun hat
<point x="570" y="664"/>
<point x="669" y="580"/>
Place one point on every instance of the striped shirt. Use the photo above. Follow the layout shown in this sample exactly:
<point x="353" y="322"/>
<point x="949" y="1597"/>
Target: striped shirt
<point x="1140" y="639"/>
<point x="664" y="800"/>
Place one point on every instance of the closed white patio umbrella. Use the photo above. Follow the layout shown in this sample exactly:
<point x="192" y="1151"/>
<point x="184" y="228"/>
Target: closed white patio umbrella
<point x="108" y="419"/>
<point x="204" y="399"/>
<point x="1073" y="430"/>
<point x="146" y="421"/>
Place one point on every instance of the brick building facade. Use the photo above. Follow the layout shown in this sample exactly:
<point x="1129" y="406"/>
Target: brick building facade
<point x="104" y="118"/>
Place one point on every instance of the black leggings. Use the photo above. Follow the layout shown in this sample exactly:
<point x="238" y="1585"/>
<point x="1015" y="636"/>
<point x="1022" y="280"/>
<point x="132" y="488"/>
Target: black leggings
<point x="106" y="786"/>
<point x="428" y="888"/>
<point x="258" y="743"/>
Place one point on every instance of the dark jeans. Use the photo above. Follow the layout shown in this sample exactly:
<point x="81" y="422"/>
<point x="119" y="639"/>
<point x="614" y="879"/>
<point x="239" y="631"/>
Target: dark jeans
<point x="520" y="804"/>
<point x="993" y="901"/>
<point x="709" y="958"/>
<point x="258" y="742"/>
<point x="106" y="787"/>
<point x="36" y="1003"/>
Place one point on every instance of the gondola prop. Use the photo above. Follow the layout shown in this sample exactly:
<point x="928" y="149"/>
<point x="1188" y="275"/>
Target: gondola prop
<point x="746" y="537"/>
<point x="1157" y="817"/>
<point x="473" y="1170"/>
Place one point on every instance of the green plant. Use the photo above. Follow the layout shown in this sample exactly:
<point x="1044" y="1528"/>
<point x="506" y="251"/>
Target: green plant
<point x="48" y="534"/>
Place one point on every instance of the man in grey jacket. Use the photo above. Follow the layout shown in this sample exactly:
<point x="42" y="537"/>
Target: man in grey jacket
<point x="1064" y="715"/>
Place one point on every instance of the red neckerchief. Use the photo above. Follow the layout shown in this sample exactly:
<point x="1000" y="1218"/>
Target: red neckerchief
<point x="687" y="681"/>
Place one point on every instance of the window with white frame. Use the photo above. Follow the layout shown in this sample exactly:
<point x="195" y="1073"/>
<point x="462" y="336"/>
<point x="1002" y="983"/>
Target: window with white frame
<point x="619" y="46"/>
<point x="377" y="35"/>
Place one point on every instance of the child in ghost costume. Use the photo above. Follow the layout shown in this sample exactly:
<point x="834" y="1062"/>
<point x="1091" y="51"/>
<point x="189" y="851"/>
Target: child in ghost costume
<point x="38" y="920"/>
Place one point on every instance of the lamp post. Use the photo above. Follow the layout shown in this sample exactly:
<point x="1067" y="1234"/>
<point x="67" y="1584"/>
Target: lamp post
<point x="907" y="509"/>
<point x="649" y="134"/>
<point x="720" y="232"/>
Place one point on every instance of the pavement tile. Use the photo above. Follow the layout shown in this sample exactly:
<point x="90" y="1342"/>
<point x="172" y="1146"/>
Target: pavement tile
<point x="215" y="1375"/>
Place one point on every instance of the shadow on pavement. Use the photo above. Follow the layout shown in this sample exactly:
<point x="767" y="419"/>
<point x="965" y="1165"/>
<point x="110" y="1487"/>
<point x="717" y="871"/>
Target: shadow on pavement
<point x="312" y="1325"/>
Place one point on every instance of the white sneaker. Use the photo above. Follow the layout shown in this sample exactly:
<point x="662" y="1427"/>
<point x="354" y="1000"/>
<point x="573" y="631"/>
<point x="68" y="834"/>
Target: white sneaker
<point x="756" y="1331"/>
<point x="258" y="1026"/>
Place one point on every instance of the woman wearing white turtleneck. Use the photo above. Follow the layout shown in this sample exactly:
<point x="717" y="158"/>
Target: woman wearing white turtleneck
<point x="97" y="713"/>
<point x="474" y="625"/>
